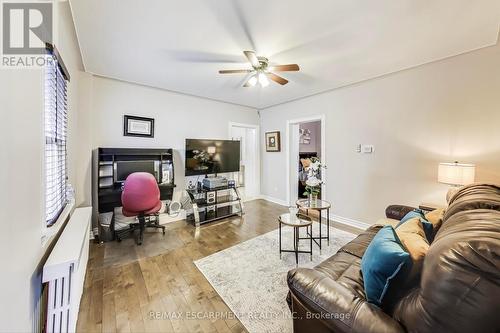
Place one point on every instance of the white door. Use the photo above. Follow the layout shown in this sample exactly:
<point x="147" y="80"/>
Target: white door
<point x="294" y="163"/>
<point x="248" y="178"/>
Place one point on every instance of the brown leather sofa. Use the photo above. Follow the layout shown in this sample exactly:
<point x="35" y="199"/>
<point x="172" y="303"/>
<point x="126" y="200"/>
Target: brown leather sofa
<point x="458" y="291"/>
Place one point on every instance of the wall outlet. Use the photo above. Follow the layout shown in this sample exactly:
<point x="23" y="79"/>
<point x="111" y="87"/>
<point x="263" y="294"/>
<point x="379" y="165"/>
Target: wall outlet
<point x="358" y="148"/>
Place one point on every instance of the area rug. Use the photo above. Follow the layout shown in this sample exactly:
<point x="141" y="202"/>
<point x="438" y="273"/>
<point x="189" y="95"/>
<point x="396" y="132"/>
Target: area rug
<point x="251" y="278"/>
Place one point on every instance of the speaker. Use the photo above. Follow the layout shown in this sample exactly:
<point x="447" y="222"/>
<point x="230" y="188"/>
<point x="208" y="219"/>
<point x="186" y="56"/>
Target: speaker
<point x="173" y="207"/>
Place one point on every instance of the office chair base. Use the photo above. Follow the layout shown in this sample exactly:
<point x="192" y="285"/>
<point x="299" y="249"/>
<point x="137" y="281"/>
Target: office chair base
<point x="141" y="226"/>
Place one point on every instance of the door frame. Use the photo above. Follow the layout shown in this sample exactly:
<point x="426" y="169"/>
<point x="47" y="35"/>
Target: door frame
<point x="324" y="160"/>
<point x="232" y="124"/>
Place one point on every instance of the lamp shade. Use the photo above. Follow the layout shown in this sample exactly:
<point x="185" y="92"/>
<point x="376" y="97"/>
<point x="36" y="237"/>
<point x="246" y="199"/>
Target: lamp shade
<point x="456" y="173"/>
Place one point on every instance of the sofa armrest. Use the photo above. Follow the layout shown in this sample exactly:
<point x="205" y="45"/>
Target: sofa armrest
<point x="397" y="212"/>
<point x="338" y="309"/>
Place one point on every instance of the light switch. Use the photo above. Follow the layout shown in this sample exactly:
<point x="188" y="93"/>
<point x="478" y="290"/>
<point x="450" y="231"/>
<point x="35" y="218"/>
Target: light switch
<point x="367" y="149"/>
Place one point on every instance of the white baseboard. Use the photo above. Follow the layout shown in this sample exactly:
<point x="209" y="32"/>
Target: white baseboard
<point x="335" y="218"/>
<point x="273" y="200"/>
<point x="350" y="222"/>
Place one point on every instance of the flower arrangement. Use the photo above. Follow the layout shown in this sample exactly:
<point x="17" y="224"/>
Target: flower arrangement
<point x="313" y="167"/>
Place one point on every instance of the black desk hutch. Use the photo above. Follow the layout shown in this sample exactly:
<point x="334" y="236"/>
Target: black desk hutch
<point x="107" y="192"/>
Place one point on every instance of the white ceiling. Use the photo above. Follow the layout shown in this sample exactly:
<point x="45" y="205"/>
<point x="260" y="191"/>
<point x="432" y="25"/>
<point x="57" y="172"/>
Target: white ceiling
<point x="180" y="45"/>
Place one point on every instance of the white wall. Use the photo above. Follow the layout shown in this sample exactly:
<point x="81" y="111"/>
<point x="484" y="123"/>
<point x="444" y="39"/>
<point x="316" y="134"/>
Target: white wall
<point x="21" y="197"/>
<point x="177" y="117"/>
<point x="444" y="111"/>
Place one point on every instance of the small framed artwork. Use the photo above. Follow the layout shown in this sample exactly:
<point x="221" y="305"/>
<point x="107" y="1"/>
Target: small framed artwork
<point x="305" y="136"/>
<point x="138" y="126"/>
<point x="273" y="143"/>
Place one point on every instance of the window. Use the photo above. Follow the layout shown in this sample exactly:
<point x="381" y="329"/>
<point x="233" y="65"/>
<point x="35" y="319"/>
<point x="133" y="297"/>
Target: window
<point x="56" y="121"/>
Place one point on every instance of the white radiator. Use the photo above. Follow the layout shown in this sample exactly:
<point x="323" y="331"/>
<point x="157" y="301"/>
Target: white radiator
<point x="64" y="271"/>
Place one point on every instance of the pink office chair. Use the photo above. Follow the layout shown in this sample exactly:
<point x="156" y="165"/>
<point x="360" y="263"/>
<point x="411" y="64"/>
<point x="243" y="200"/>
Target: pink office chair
<point x="141" y="198"/>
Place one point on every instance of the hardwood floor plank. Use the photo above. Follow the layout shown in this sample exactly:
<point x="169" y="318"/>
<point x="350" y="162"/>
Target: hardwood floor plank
<point x="108" y="313"/>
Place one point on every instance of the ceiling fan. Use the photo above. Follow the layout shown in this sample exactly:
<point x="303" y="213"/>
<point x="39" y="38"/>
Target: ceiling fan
<point x="261" y="72"/>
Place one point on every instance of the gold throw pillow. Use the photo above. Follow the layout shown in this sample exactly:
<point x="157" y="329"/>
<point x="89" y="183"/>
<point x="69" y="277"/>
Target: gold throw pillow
<point x="412" y="236"/>
<point x="436" y="218"/>
<point x="387" y="221"/>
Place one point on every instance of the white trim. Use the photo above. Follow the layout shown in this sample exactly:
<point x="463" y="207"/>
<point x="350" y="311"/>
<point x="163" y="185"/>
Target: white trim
<point x="333" y="218"/>
<point x="232" y="124"/>
<point x="255" y="197"/>
<point x="350" y="222"/>
<point x="273" y="200"/>
<point x="322" y="119"/>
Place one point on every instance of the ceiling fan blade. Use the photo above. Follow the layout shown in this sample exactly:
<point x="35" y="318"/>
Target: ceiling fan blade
<point x="285" y="68"/>
<point x="277" y="78"/>
<point x="252" y="58"/>
<point x="234" y="71"/>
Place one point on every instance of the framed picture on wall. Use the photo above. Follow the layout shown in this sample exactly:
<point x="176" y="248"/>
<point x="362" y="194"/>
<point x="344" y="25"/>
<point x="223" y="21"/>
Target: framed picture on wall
<point x="304" y="136"/>
<point x="138" y="126"/>
<point x="273" y="143"/>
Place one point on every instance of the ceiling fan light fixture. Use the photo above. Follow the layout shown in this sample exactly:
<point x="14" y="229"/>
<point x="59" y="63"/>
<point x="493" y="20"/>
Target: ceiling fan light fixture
<point x="263" y="80"/>
<point x="252" y="81"/>
<point x="261" y="73"/>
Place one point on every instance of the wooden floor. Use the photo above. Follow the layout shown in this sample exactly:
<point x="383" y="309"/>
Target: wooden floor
<point x="156" y="287"/>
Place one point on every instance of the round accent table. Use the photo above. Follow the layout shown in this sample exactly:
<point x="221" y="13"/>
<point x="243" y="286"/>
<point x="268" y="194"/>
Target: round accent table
<point x="319" y="206"/>
<point x="297" y="222"/>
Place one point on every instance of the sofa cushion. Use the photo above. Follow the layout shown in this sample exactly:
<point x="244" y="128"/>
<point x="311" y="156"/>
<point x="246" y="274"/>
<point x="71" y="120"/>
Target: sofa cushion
<point x="383" y="260"/>
<point x="335" y="306"/>
<point x="358" y="245"/>
<point x="344" y="268"/>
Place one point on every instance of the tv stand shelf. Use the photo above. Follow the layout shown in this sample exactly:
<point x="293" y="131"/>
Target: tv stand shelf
<point x="222" y="206"/>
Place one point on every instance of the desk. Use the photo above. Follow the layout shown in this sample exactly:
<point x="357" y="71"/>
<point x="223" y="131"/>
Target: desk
<point x="109" y="198"/>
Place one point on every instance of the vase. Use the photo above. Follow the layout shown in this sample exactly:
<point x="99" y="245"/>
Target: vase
<point x="313" y="199"/>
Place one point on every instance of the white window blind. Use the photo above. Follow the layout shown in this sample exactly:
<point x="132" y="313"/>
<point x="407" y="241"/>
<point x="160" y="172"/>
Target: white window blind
<point x="56" y="122"/>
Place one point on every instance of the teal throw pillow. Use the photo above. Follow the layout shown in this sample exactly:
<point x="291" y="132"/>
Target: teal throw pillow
<point x="384" y="259"/>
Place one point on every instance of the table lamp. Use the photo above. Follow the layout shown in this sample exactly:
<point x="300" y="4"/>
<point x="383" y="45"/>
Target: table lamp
<point x="456" y="174"/>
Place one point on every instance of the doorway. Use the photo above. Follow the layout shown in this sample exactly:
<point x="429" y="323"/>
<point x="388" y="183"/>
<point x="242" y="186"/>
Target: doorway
<point x="249" y="175"/>
<point x="305" y="139"/>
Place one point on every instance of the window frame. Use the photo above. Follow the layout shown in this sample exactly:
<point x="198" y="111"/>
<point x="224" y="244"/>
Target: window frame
<point x="50" y="229"/>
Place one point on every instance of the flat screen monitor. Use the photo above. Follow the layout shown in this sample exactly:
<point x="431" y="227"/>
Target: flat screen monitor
<point x="124" y="168"/>
<point x="204" y="157"/>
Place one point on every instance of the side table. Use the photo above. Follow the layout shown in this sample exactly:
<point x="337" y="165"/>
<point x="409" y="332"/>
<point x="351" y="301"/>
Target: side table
<point x="317" y="205"/>
<point x="297" y="222"/>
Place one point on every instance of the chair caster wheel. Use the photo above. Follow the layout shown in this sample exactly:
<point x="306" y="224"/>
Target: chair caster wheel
<point x="118" y="239"/>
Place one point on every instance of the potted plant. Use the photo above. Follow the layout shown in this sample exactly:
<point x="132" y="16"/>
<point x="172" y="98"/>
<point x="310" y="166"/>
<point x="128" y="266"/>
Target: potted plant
<point x="313" y="181"/>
